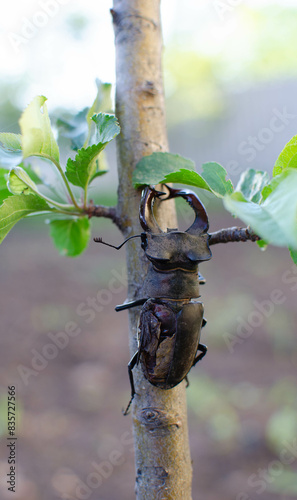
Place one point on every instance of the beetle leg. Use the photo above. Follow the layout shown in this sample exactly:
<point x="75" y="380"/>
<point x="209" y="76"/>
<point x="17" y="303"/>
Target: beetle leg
<point x="203" y="349"/>
<point x="128" y="305"/>
<point x="131" y="365"/>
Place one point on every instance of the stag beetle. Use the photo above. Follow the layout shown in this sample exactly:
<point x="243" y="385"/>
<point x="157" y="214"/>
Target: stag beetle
<point x="172" y="316"/>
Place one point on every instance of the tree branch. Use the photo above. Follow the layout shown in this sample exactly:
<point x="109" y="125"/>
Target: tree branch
<point x="102" y="211"/>
<point x="232" y="234"/>
<point x="162" y="456"/>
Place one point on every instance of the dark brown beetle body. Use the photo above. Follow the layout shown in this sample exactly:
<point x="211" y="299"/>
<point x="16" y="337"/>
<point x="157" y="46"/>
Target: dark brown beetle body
<point x="172" y="316"/>
<point x="169" y="340"/>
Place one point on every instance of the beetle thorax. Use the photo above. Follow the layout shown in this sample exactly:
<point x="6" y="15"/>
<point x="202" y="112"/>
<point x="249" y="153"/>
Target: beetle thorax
<point x="174" y="259"/>
<point x="176" y="250"/>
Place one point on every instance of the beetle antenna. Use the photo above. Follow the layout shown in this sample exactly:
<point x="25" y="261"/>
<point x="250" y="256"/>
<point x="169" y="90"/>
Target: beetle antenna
<point x="99" y="240"/>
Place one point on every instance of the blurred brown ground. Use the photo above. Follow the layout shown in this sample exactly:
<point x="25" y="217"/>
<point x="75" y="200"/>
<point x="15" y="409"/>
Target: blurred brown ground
<point x="70" y="419"/>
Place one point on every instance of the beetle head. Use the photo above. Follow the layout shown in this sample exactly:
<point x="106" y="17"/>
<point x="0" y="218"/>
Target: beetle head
<point x="179" y="239"/>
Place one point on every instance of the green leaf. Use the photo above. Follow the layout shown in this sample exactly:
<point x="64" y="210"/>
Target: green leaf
<point x="19" y="182"/>
<point x="32" y="172"/>
<point x="262" y="245"/>
<point x="275" y="220"/>
<point x="10" y="142"/>
<point x="107" y="127"/>
<point x="102" y="103"/>
<point x="267" y="190"/>
<point x="294" y="256"/>
<point x="9" y="159"/>
<point x="71" y="236"/>
<point x="251" y="184"/>
<point x="37" y="136"/>
<point x="85" y="167"/>
<point x="102" y="100"/>
<point x="212" y="179"/>
<point x="287" y="158"/>
<point x="79" y="127"/>
<point x="75" y="128"/>
<point x="215" y="176"/>
<point x="154" y="168"/>
<point x="166" y="167"/>
<point x="4" y="192"/>
<point x="188" y="177"/>
<point x="16" y="207"/>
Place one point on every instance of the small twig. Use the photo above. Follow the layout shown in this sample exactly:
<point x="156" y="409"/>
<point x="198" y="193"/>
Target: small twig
<point x="232" y="234"/>
<point x="102" y="211"/>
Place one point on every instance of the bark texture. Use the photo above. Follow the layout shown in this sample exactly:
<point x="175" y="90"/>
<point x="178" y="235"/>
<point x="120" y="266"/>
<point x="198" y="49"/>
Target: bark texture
<point x="163" y="465"/>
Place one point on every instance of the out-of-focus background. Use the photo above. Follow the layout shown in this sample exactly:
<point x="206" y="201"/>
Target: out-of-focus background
<point x="231" y="83"/>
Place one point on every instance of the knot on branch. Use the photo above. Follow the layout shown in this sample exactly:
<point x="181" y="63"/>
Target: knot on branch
<point x="154" y="478"/>
<point x="149" y="88"/>
<point x="118" y="17"/>
<point x="158" y="421"/>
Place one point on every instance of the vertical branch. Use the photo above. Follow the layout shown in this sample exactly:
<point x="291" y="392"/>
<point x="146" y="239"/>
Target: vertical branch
<point x="163" y="465"/>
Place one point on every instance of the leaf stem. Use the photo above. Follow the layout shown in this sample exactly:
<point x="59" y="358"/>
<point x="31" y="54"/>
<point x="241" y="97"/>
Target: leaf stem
<point x="59" y="211"/>
<point x="66" y="184"/>
<point x="57" y="164"/>
<point x="53" y="211"/>
<point x="61" y="206"/>
<point x="85" y="196"/>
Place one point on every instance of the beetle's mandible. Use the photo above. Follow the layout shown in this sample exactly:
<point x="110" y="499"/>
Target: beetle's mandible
<point x="172" y="316"/>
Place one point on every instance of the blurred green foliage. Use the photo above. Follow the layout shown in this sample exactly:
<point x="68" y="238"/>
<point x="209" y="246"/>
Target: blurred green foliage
<point x="252" y="45"/>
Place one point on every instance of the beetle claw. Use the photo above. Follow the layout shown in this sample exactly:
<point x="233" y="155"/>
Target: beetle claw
<point x="158" y="194"/>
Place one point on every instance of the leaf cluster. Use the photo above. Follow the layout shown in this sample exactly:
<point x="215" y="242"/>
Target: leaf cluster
<point x="22" y="190"/>
<point x="267" y="206"/>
